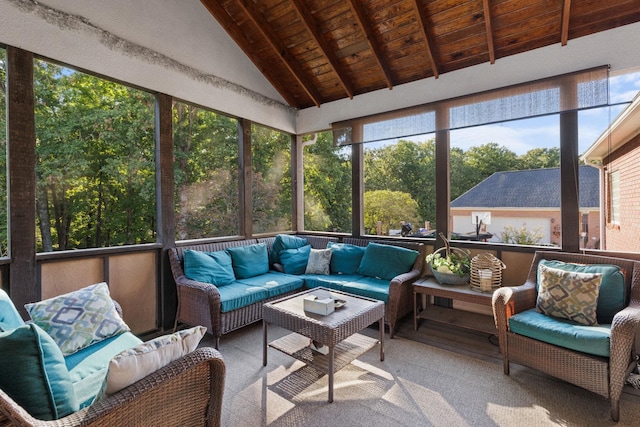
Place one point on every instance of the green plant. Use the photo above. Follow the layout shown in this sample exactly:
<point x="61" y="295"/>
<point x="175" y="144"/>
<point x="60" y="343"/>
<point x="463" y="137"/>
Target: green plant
<point x="456" y="261"/>
<point x="521" y="236"/>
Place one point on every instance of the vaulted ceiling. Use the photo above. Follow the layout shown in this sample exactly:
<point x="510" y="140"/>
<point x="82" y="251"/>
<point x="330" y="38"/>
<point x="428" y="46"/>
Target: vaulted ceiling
<point x="317" y="51"/>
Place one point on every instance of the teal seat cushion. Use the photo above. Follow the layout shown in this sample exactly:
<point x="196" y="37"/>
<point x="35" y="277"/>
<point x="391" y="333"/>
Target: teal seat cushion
<point x="249" y="261"/>
<point x="209" y="267"/>
<point x="294" y="261"/>
<point x="386" y="261"/>
<point x="333" y="281"/>
<point x="238" y="295"/>
<point x="275" y="283"/>
<point x="9" y="316"/>
<point x="370" y="287"/>
<point x="33" y="373"/>
<point x="593" y="340"/>
<point x="345" y="258"/>
<point x="613" y="292"/>
<point x="88" y="367"/>
<point x="282" y="242"/>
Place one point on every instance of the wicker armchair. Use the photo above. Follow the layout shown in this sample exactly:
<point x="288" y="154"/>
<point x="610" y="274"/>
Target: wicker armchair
<point x="602" y="375"/>
<point x="187" y="392"/>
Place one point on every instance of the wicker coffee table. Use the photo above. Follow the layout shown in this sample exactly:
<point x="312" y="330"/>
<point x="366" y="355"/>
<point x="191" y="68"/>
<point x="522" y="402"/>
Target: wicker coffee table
<point x="337" y="330"/>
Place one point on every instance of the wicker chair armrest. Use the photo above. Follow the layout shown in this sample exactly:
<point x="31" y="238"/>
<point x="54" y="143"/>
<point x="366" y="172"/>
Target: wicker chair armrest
<point x="159" y="397"/>
<point x="118" y="308"/>
<point x="510" y="300"/>
<point x="408" y="277"/>
<point x="625" y="326"/>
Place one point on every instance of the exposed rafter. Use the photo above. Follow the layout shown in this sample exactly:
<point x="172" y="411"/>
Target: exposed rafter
<point x="422" y="19"/>
<point x="566" y="8"/>
<point x="487" y="24"/>
<point x="307" y="18"/>
<point x="358" y="12"/>
<point x="234" y="31"/>
<point x="250" y="8"/>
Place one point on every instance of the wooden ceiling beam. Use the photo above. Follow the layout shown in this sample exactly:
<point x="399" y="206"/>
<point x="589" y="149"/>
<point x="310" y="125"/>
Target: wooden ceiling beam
<point x="263" y="26"/>
<point x="487" y="23"/>
<point x="358" y="12"/>
<point x="422" y="20"/>
<point x="564" y="36"/>
<point x="221" y="15"/>
<point x="310" y="23"/>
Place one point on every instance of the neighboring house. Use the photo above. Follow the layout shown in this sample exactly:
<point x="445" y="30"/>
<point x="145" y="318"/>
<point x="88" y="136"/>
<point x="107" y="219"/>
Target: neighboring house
<point x="617" y="154"/>
<point x="529" y="199"/>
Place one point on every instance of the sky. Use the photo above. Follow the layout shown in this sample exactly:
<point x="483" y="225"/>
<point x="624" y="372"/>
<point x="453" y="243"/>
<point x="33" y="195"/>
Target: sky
<point x="521" y="136"/>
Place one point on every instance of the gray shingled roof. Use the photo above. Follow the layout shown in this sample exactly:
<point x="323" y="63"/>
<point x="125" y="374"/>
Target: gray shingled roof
<point x="536" y="188"/>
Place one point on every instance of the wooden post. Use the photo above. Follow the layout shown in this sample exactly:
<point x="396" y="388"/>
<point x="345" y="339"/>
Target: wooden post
<point x="24" y="286"/>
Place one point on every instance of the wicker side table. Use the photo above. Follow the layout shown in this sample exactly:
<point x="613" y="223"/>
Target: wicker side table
<point x="337" y="330"/>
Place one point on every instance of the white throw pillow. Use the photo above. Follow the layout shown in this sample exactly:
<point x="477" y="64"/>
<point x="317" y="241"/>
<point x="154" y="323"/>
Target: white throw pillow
<point x="135" y="363"/>
<point x="319" y="262"/>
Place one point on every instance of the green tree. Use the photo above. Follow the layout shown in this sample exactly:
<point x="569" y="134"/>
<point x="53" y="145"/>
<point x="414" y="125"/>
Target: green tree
<point x="95" y="171"/>
<point x="388" y="208"/>
<point x="205" y="173"/>
<point x="271" y="179"/>
<point x="539" y="158"/>
<point x="489" y="158"/>
<point x="521" y="236"/>
<point x="407" y="167"/>
<point x="327" y="186"/>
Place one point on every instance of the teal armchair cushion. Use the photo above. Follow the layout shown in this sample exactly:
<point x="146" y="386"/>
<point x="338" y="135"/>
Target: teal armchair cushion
<point x="9" y="316"/>
<point x="613" y="292"/>
<point x="34" y="374"/>
<point x="294" y="261"/>
<point x="209" y="267"/>
<point x="345" y="258"/>
<point x="275" y="283"/>
<point x="249" y="261"/>
<point x="88" y="367"/>
<point x="282" y="242"/>
<point x="369" y="287"/>
<point x="565" y="333"/>
<point x="386" y="261"/>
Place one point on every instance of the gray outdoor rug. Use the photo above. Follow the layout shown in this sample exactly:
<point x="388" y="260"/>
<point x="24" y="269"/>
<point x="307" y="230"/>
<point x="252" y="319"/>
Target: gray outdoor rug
<point x="416" y="385"/>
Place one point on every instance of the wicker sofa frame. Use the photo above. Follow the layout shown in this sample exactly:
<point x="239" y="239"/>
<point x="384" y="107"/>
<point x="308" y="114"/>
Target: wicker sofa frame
<point x="199" y="303"/>
<point x="187" y="392"/>
<point x="601" y="375"/>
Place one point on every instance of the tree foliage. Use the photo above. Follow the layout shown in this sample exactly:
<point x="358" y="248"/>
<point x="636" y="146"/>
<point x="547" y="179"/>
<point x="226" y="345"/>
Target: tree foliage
<point x="388" y="208"/>
<point x="409" y="167"/>
<point x="327" y="186"/>
<point x="95" y="150"/>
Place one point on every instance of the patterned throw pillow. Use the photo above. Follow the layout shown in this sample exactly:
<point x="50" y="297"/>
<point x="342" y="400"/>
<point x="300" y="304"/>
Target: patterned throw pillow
<point x="133" y="364"/>
<point x="319" y="262"/>
<point x="568" y="295"/>
<point x="78" y="319"/>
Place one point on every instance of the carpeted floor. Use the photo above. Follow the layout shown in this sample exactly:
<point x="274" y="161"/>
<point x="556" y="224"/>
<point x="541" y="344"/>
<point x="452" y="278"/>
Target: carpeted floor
<point x="416" y="385"/>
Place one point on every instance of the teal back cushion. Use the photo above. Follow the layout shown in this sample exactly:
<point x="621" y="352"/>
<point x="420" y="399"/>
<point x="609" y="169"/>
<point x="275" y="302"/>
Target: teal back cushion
<point x="294" y="261"/>
<point x="34" y="374"/>
<point x="9" y="316"/>
<point x="386" y="261"/>
<point x="345" y="258"/>
<point x="249" y="261"/>
<point x="282" y="242"/>
<point x="613" y="292"/>
<point x="209" y="267"/>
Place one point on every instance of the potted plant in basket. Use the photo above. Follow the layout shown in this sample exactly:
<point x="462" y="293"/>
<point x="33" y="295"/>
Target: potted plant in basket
<point x="450" y="266"/>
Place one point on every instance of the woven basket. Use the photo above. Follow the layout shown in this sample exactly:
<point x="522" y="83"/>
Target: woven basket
<point x="486" y="272"/>
<point x="450" y="278"/>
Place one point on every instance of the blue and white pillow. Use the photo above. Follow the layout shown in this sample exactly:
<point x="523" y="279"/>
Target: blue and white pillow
<point x="78" y="319"/>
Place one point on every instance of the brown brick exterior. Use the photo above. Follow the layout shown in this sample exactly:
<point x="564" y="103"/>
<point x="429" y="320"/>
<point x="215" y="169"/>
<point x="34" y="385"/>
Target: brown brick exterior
<point x="626" y="235"/>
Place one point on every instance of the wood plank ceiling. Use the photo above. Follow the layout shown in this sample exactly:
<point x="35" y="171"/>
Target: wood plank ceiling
<point x="317" y="51"/>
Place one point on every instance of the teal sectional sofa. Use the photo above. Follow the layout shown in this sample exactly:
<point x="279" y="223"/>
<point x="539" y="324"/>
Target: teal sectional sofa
<point x="223" y="285"/>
